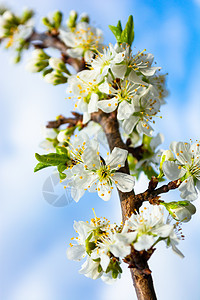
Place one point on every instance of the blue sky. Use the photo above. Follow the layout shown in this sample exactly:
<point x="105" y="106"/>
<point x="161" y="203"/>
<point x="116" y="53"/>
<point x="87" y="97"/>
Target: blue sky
<point x="34" y="234"/>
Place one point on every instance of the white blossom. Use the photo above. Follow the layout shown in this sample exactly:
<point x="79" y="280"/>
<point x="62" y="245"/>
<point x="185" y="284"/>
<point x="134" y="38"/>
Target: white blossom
<point x="96" y="175"/>
<point x="83" y="41"/>
<point x="145" y="108"/>
<point x="148" y="225"/>
<point x="185" y="167"/>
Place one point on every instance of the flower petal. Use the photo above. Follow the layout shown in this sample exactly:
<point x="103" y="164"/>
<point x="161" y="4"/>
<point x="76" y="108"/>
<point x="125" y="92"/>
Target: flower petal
<point x="188" y="190"/>
<point x="108" y="105"/>
<point x="104" y="190"/>
<point x="129" y="124"/>
<point x="117" y="157"/>
<point x="124" y="182"/>
<point x="125" y="110"/>
<point x="144" y="242"/>
<point x="76" y="252"/>
<point x="172" y="171"/>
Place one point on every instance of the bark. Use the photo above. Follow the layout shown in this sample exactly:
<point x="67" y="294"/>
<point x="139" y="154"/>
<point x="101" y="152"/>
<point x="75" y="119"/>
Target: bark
<point x="141" y="275"/>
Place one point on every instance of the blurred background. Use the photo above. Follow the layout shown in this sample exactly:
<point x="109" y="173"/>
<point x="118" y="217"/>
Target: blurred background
<point x="34" y="234"/>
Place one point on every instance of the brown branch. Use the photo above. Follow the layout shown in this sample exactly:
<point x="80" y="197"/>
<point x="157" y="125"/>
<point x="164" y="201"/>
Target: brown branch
<point x="48" y="40"/>
<point x="152" y="194"/>
<point x="140" y="272"/>
<point x="78" y="118"/>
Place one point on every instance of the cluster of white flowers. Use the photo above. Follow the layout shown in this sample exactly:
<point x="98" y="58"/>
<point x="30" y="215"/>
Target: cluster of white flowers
<point x="123" y="81"/>
<point x="16" y="29"/>
<point x="84" y="40"/>
<point x="105" y="244"/>
<point x="185" y="165"/>
<point x="89" y="171"/>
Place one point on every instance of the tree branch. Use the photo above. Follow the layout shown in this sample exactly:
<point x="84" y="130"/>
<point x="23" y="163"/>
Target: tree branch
<point x="152" y="194"/>
<point x="46" y="40"/>
<point x="140" y="272"/>
<point x="78" y="118"/>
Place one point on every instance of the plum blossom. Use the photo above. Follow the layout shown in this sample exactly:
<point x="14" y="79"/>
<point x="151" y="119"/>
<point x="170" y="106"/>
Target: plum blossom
<point x="95" y="174"/>
<point x="149" y="227"/>
<point x="186" y="167"/>
<point x="145" y="108"/>
<point x="122" y="98"/>
<point x="83" y="41"/>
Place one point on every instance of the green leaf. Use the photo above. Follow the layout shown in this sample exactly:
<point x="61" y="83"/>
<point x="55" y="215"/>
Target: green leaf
<point x="127" y="35"/>
<point x="116" y="31"/>
<point x="40" y="166"/>
<point x="119" y="25"/>
<point x="53" y="159"/>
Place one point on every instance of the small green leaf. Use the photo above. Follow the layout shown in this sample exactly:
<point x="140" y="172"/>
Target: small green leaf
<point x="53" y="159"/>
<point x="40" y="166"/>
<point x="127" y="35"/>
<point x="116" y="31"/>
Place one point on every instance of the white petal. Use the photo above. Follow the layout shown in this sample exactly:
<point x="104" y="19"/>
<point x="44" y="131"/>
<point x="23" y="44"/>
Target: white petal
<point x="105" y="260"/>
<point x="156" y="141"/>
<point x="120" y="249"/>
<point x="76" y="252"/>
<point x="144" y="242"/>
<point x="129" y="124"/>
<point x="124" y="182"/>
<point x="117" y="157"/>
<point x="108" y="105"/>
<point x="172" y="170"/>
<point x="163" y="230"/>
<point x="136" y="79"/>
<point x="188" y="190"/>
<point x="149" y="72"/>
<point x="86" y="117"/>
<point x="75" y="52"/>
<point x="91" y="158"/>
<point x="92" y="106"/>
<point x="104" y="190"/>
<point x="125" y="110"/>
<point x="119" y="70"/>
<point x="76" y="193"/>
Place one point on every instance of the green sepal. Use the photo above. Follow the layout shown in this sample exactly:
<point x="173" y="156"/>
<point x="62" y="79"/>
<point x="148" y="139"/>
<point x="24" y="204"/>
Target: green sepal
<point x="62" y="176"/>
<point x="99" y="268"/>
<point x="61" y="168"/>
<point x="47" y="71"/>
<point x="62" y="150"/>
<point x="57" y="17"/>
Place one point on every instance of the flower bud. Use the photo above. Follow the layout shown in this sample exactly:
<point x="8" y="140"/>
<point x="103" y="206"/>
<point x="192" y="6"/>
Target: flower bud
<point x="57" y="64"/>
<point x="35" y="66"/>
<point x="181" y="211"/>
<point x="55" y="78"/>
<point x="62" y="136"/>
<point x="8" y="15"/>
<point x="46" y="22"/>
<point x="84" y="18"/>
<point x="57" y="17"/>
<point x="167" y="155"/>
<point x="71" y="22"/>
<point x="39" y="54"/>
